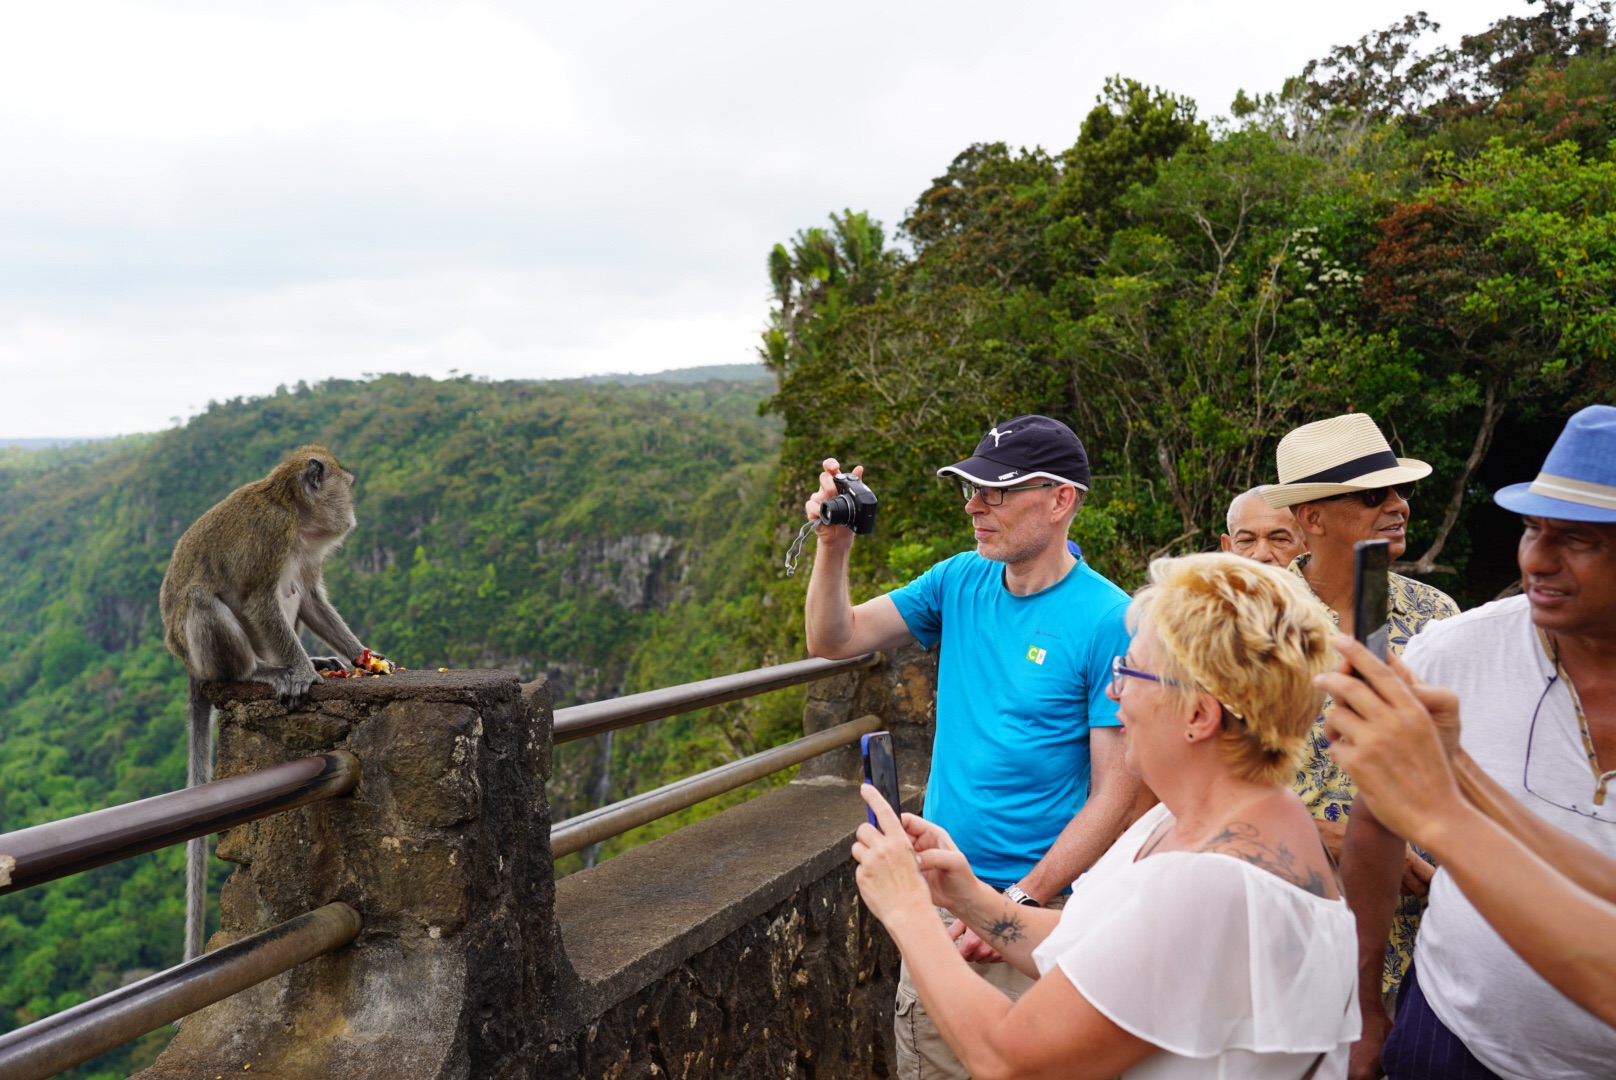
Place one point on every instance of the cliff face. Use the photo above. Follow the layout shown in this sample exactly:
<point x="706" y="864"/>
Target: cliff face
<point x="638" y="572"/>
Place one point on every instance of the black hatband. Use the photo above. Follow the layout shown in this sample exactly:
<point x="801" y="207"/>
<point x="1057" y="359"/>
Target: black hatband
<point x="1351" y="470"/>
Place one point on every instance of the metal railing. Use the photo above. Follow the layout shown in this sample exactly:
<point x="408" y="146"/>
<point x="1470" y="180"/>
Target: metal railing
<point x="58" y="848"/>
<point x="577" y="833"/>
<point x="597" y="718"/>
<point x="581" y="721"/>
<point x="49" y="1046"/>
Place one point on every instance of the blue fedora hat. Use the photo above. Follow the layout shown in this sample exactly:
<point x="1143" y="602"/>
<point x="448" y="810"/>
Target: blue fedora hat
<point x="1578" y="481"/>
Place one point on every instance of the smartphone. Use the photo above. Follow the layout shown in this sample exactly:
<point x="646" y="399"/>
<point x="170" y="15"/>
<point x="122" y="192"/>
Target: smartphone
<point x="1371" y="586"/>
<point x="881" y="769"/>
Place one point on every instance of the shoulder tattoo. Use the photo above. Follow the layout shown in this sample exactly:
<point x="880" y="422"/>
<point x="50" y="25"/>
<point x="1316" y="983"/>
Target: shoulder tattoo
<point x="1244" y="841"/>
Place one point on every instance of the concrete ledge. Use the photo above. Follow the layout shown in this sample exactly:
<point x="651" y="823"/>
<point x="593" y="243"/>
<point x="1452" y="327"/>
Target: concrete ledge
<point x="453" y="686"/>
<point x="636" y="918"/>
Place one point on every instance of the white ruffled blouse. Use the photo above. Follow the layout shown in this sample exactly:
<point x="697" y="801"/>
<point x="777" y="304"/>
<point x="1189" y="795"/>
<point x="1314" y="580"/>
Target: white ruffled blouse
<point x="1232" y="971"/>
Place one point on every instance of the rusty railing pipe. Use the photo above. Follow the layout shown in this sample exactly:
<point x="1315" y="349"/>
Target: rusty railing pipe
<point x="577" y="833"/>
<point x="56" y="849"/>
<point x="596" y="718"/>
<point x="56" y="1043"/>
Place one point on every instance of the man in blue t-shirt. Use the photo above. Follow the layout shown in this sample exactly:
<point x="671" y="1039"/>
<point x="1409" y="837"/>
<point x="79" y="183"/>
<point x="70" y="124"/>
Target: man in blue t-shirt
<point x="1027" y="765"/>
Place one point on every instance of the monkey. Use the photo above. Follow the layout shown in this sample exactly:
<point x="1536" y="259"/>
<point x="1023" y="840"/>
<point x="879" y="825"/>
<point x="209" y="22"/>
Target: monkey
<point x="241" y="579"/>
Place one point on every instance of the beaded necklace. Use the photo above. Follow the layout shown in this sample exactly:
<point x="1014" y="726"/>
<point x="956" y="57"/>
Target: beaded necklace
<point x="1601" y="780"/>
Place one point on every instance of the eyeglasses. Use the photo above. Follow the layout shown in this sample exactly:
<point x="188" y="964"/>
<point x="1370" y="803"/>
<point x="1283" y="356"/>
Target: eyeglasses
<point x="1373" y="497"/>
<point x="1121" y="673"/>
<point x="994" y="496"/>
<point x="1541" y="777"/>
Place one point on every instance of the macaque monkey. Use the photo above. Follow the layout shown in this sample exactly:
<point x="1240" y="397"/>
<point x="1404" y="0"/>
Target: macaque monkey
<point x="242" y="578"/>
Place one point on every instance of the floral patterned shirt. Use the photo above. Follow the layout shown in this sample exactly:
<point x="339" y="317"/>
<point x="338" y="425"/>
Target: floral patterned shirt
<point x="1326" y="789"/>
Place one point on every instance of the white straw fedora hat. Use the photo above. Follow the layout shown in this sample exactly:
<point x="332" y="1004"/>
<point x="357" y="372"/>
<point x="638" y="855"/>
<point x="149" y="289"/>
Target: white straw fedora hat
<point x="1336" y="456"/>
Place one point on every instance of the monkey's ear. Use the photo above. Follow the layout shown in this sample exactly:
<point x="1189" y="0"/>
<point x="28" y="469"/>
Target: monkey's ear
<point x="314" y="474"/>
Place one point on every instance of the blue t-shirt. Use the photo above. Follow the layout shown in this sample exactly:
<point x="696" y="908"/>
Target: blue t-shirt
<point x="1020" y="681"/>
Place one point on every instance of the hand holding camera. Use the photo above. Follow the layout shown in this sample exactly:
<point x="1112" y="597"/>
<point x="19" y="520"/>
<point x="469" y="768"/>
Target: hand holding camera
<point x="842" y="500"/>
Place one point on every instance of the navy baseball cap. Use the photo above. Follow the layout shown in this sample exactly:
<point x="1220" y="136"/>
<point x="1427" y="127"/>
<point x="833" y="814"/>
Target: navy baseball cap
<point x="1026" y="448"/>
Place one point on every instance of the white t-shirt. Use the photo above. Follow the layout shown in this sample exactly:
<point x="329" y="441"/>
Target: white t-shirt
<point x="1518" y="1025"/>
<point x="1230" y="970"/>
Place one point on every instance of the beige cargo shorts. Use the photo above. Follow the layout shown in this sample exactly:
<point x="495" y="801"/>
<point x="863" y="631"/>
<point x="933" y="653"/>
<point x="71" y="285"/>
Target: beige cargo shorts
<point x="922" y="1053"/>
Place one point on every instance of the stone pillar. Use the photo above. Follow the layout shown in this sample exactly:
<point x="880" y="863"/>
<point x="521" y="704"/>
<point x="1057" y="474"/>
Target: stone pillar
<point x="443" y="850"/>
<point x="902" y="690"/>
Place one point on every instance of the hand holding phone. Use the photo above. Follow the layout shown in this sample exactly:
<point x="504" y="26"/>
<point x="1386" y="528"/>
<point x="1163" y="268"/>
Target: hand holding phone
<point x="881" y="770"/>
<point x="1371" y="594"/>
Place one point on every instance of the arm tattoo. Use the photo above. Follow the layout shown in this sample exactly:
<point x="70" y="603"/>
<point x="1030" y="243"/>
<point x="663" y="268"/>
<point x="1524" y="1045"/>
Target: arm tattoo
<point x="1006" y="929"/>
<point x="1243" y="841"/>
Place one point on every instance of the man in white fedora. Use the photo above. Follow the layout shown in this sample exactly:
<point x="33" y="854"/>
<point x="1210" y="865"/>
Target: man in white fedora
<point x="1536" y="679"/>
<point x="1344" y="484"/>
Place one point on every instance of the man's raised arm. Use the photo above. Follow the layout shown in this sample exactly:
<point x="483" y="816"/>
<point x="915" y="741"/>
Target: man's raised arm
<point x="835" y="628"/>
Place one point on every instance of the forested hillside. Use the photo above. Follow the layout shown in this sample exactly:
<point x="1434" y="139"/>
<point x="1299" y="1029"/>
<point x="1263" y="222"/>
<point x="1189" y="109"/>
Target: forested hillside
<point x="546" y="528"/>
<point x="1425" y="235"/>
<point x="1428" y="236"/>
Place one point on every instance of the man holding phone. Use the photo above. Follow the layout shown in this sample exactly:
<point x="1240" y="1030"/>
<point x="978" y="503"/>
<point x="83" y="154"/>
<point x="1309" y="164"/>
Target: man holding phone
<point x="1535" y="680"/>
<point x="1344" y="484"/>
<point x="1027" y="764"/>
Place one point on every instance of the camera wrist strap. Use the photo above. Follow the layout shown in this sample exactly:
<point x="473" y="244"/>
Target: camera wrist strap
<point x="794" y="552"/>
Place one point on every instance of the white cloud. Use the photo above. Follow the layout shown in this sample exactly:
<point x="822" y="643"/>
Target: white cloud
<point x="186" y="71"/>
<point x="205" y="200"/>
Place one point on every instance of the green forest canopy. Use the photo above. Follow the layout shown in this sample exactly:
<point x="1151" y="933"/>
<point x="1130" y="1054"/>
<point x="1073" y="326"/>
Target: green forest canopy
<point x="544" y="528"/>
<point x="1426" y="237"/>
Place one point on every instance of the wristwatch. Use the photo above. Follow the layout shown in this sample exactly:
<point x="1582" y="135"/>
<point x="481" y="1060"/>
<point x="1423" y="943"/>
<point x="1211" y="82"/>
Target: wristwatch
<point x="1014" y="893"/>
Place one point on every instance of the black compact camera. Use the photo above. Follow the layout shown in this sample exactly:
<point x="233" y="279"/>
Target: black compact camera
<point x="854" y="507"/>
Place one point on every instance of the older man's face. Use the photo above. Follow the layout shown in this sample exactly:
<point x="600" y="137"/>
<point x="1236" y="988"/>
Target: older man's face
<point x="1568" y="569"/>
<point x="1345" y="519"/>
<point x="1263" y="534"/>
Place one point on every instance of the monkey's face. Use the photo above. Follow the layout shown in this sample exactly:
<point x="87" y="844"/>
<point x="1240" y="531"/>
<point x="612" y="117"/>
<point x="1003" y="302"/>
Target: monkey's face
<point x="329" y="488"/>
<point x="341" y="497"/>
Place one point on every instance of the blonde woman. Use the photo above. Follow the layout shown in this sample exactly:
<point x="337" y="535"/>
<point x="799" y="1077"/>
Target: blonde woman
<point x="1211" y="940"/>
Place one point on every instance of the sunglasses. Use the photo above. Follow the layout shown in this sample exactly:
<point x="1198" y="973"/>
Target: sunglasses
<point x="1373" y="497"/>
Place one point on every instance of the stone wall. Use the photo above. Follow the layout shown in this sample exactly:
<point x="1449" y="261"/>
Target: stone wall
<point x="733" y="948"/>
<point x="901" y="690"/>
<point x="443" y="850"/>
<point x="738" y="947"/>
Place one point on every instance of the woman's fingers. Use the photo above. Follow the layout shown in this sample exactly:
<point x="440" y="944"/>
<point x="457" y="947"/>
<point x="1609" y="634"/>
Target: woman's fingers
<point x="885" y="816"/>
<point x="1402" y="671"/>
<point x="941" y="860"/>
<point x="1378" y="681"/>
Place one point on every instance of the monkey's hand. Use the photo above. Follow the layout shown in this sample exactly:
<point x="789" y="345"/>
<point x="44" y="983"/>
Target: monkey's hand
<point x="292" y="685"/>
<point x="326" y="663"/>
<point x="373" y="662"/>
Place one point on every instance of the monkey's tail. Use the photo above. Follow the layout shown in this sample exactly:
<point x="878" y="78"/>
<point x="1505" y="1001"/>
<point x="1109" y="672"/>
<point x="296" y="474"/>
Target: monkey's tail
<point x="199" y="770"/>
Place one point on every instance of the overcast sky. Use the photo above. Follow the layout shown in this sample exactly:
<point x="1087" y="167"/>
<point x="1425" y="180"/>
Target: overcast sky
<point x="204" y="200"/>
